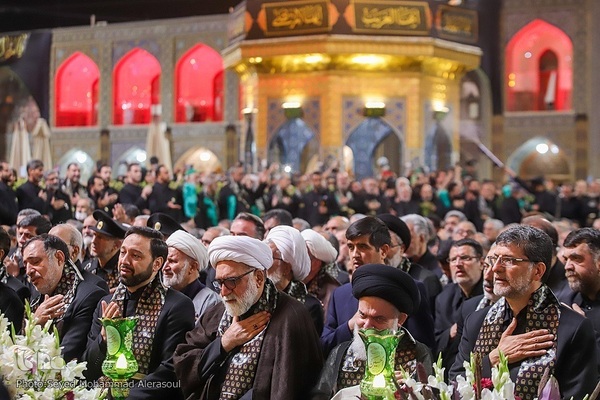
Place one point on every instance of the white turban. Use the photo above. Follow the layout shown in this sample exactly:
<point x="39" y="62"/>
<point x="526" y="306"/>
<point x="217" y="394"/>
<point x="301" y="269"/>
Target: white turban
<point x="320" y="247"/>
<point x="190" y="246"/>
<point x="290" y="243"/>
<point x="243" y="249"/>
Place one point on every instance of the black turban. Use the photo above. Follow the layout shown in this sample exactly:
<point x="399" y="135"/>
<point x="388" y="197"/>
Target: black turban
<point x="397" y="226"/>
<point x="387" y="283"/>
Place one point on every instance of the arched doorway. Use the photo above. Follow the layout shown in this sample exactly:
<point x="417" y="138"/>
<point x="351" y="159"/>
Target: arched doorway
<point x="371" y="139"/>
<point x="199" y="86"/>
<point x="540" y="157"/>
<point x="201" y="159"/>
<point x="539" y="69"/>
<point x="136" y="87"/>
<point x="77" y="91"/>
<point x="293" y="144"/>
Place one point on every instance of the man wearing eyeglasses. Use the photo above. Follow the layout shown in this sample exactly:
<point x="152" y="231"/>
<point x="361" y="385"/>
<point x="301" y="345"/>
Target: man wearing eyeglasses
<point x="258" y="343"/>
<point x="466" y="267"/>
<point x="528" y="324"/>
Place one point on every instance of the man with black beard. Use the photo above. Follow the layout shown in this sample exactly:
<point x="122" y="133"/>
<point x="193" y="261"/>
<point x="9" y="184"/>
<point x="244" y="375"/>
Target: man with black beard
<point x="164" y="317"/>
<point x="164" y="199"/>
<point x="30" y="194"/>
<point x="259" y="343"/>
<point x="8" y="197"/>
<point x="132" y="192"/>
<point x="58" y="203"/>
<point x="319" y="203"/>
<point x="71" y="184"/>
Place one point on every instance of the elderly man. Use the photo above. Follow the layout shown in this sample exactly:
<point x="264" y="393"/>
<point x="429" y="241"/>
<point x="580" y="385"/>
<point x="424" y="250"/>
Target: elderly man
<point x="65" y="297"/>
<point x="108" y="236"/>
<point x="164" y="316"/>
<point x="466" y="266"/>
<point x="581" y="251"/>
<point x="529" y="325"/>
<point x="386" y="296"/>
<point x="259" y="343"/>
<point x="74" y="240"/>
<point x="321" y="281"/>
<point x="186" y="258"/>
<point x="401" y="238"/>
<point x="421" y="232"/>
<point x="291" y="265"/>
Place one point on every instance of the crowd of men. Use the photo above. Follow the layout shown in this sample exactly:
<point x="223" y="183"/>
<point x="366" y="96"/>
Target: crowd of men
<point x="255" y="286"/>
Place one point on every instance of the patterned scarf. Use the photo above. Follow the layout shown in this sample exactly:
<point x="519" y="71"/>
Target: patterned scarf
<point x="297" y="290"/>
<point x="542" y="312"/>
<point x="3" y="274"/>
<point x="112" y="280"/>
<point x="148" y="309"/>
<point x="353" y="366"/>
<point x="483" y="303"/>
<point x="404" y="265"/>
<point x="325" y="274"/>
<point x="242" y="368"/>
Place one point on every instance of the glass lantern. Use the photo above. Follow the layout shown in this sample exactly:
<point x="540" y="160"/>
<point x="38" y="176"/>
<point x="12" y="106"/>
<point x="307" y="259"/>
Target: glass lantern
<point x="120" y="363"/>
<point x="379" y="380"/>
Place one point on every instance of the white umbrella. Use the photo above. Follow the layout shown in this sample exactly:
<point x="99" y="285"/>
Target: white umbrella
<point x="41" y="142"/>
<point x="20" y="152"/>
<point x="158" y="145"/>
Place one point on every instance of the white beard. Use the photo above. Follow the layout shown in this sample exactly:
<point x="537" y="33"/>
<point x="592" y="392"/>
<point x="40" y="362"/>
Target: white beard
<point x="244" y="302"/>
<point x="358" y="346"/>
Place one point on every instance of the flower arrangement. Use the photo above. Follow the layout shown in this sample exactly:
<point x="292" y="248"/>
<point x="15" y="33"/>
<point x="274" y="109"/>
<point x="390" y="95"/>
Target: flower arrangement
<point x="31" y="365"/>
<point x="472" y="386"/>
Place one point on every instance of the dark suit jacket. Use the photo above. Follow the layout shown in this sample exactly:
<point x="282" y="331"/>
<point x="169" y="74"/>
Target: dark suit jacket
<point x="175" y="320"/>
<point x="432" y="283"/>
<point x="576" y="365"/>
<point x="11" y="306"/>
<point x="592" y="312"/>
<point x="447" y="311"/>
<point x="28" y="196"/>
<point x="343" y="306"/>
<point x="10" y="205"/>
<point x="75" y="325"/>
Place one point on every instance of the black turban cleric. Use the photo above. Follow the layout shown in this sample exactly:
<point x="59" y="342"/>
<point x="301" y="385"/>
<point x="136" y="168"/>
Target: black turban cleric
<point x="388" y="283"/>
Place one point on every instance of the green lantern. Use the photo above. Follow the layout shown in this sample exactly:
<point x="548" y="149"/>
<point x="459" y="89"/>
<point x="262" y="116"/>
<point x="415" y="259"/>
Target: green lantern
<point x="120" y="363"/>
<point x="379" y="381"/>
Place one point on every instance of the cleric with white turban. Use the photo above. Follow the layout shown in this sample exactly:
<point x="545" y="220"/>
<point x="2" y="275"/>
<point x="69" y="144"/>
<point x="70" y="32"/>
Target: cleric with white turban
<point x="243" y="249"/>
<point x="318" y="246"/>
<point x="190" y="246"/>
<point x="291" y="244"/>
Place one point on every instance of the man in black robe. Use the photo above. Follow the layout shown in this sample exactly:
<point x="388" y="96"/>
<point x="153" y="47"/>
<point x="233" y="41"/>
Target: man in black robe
<point x="386" y="296"/>
<point x="259" y="343"/>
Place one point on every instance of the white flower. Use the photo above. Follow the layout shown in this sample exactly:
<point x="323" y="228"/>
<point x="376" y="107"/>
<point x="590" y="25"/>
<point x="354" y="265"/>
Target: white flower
<point x="32" y="367"/>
